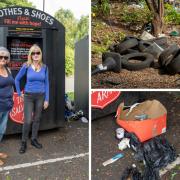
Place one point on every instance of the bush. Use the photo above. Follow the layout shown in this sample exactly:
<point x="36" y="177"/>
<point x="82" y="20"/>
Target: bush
<point x="136" y="15"/>
<point x="69" y="64"/>
<point x="98" y="48"/>
<point x="102" y="8"/>
<point x="171" y="15"/>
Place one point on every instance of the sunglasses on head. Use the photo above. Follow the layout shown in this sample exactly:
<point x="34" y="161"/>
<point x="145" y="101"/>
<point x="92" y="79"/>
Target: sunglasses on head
<point x="35" y="53"/>
<point x="4" y="57"/>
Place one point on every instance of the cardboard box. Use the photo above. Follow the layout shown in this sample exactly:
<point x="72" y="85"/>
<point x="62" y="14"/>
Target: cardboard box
<point x="144" y="129"/>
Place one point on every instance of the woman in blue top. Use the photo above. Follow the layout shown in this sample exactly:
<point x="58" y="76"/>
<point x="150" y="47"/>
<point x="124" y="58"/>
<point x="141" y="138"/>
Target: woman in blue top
<point x="36" y="95"/>
<point x="6" y="93"/>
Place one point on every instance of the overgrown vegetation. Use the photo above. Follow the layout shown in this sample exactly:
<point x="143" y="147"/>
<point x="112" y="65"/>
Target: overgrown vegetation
<point x="104" y="39"/>
<point x="101" y="7"/>
<point x="171" y="15"/>
<point x="143" y="15"/>
<point x="138" y="15"/>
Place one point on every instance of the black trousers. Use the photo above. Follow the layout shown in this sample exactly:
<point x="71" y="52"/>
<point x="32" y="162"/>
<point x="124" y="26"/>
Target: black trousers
<point x="33" y="105"/>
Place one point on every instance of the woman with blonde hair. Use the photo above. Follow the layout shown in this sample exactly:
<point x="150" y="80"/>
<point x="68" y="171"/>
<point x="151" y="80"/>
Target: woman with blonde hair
<point x="36" y="95"/>
<point x="6" y="93"/>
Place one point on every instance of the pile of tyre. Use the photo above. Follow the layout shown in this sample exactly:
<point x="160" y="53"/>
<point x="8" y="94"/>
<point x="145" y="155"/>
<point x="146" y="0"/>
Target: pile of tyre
<point x="132" y="48"/>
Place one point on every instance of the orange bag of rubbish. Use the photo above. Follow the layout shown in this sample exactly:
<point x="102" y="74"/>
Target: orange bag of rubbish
<point x="146" y="120"/>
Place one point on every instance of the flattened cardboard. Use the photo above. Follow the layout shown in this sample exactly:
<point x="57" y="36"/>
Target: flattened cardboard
<point x="152" y="108"/>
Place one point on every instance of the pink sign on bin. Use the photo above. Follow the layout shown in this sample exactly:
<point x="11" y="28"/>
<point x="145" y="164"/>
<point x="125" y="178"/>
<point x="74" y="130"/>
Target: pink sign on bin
<point x="17" y="112"/>
<point x="100" y="99"/>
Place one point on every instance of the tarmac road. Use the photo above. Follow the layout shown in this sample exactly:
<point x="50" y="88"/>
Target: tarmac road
<point x="64" y="155"/>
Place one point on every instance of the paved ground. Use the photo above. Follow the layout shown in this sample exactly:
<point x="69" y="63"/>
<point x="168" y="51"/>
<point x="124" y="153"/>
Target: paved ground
<point x="105" y="145"/>
<point x="64" y="155"/>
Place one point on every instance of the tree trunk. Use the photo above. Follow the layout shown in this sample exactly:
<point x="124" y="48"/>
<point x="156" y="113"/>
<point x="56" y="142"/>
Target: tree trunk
<point x="157" y="24"/>
<point x="157" y="9"/>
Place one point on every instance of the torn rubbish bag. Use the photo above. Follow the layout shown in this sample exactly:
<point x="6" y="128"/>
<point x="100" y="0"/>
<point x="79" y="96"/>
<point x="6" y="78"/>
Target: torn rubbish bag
<point x="146" y="120"/>
<point x="156" y="153"/>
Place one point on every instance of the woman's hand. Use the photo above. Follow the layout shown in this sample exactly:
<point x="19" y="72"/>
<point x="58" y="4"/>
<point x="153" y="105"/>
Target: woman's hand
<point x="46" y="104"/>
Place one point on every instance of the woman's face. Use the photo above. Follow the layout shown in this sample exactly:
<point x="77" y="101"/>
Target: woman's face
<point x="4" y="58"/>
<point x="36" y="55"/>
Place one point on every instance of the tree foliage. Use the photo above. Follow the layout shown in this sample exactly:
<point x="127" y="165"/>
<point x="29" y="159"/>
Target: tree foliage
<point x="69" y="66"/>
<point x="7" y="3"/>
<point x="171" y="15"/>
<point x="67" y="18"/>
<point x="75" y="30"/>
<point x="82" y="27"/>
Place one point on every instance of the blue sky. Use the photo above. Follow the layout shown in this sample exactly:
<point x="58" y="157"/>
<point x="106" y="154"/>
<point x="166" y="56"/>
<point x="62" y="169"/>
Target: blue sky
<point x="78" y="7"/>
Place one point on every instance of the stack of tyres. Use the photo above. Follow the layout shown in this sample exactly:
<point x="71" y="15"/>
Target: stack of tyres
<point x="169" y="59"/>
<point x="136" y="54"/>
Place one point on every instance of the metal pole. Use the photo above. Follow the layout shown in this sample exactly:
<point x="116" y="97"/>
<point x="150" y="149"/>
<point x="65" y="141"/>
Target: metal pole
<point x="43" y="5"/>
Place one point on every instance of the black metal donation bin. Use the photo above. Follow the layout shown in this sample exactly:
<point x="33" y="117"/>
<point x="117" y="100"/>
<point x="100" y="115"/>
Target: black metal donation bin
<point x="20" y="27"/>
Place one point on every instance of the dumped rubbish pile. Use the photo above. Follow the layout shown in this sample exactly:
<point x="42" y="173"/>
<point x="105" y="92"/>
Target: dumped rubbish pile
<point x="155" y="154"/>
<point x="141" y="127"/>
<point x="139" y="53"/>
<point x="71" y="114"/>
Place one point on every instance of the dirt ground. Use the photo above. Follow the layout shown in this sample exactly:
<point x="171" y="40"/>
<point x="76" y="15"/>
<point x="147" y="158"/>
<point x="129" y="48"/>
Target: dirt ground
<point x="112" y="27"/>
<point x="105" y="145"/>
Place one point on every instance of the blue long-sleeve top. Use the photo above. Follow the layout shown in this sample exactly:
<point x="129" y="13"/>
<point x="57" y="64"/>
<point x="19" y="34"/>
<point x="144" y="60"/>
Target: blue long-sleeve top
<point x="36" y="82"/>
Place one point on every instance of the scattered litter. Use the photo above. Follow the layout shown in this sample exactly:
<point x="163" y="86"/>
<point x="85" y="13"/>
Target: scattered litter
<point x="135" y="6"/>
<point x="76" y="116"/>
<point x="69" y="103"/>
<point x="6" y="173"/>
<point x="84" y="120"/>
<point x="124" y="143"/>
<point x="131" y="173"/>
<point x="162" y="35"/>
<point x="111" y="61"/>
<point x="141" y="117"/>
<point x="148" y="27"/>
<point x="154" y="49"/>
<point x="174" y="33"/>
<point x="170" y="166"/>
<point x="173" y="175"/>
<point x="131" y="108"/>
<point x="69" y="161"/>
<point x="134" y="141"/>
<point x="113" y="159"/>
<point x="71" y="114"/>
<point x="133" y="165"/>
<point x="146" y="36"/>
<point x="119" y="133"/>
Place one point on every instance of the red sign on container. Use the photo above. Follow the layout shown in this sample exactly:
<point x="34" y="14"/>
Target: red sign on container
<point x="100" y="99"/>
<point x="17" y="112"/>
